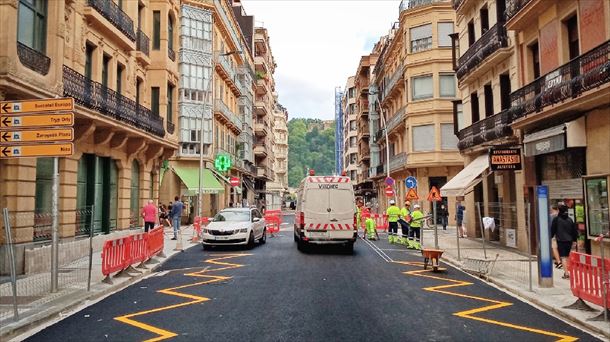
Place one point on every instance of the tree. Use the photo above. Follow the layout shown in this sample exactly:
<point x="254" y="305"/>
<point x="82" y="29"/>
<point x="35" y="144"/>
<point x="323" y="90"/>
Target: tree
<point x="311" y="146"/>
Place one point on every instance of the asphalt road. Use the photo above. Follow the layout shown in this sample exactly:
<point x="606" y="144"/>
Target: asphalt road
<point x="276" y="293"/>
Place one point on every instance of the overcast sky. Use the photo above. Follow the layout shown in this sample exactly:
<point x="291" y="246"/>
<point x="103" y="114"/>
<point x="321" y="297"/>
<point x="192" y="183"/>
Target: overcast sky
<point x="317" y="44"/>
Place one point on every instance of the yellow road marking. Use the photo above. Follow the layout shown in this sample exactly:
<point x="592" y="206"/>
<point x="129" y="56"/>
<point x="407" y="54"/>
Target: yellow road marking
<point x="471" y="312"/>
<point x="165" y="334"/>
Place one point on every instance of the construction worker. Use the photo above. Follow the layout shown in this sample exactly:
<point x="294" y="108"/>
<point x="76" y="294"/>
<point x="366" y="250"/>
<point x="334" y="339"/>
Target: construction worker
<point x="405" y="217"/>
<point x="417" y="218"/>
<point x="358" y="212"/>
<point x="393" y="213"/>
<point x="370" y="225"/>
<point x="365" y="213"/>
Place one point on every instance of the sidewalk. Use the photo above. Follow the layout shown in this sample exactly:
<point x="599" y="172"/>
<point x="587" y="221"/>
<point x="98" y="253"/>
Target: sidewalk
<point x="511" y="273"/>
<point x="37" y="305"/>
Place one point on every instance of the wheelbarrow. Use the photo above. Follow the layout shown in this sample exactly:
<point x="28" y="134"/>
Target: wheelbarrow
<point x="432" y="257"/>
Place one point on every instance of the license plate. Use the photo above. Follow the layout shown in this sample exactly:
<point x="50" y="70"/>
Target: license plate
<point x="222" y="237"/>
<point x="318" y="235"/>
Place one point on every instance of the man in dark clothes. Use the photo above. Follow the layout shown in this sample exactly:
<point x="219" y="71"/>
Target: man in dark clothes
<point x="565" y="232"/>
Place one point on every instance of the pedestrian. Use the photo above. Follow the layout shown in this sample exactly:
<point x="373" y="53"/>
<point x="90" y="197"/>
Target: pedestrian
<point x="443" y="213"/>
<point x="163" y="216"/>
<point x="417" y="218"/>
<point x="459" y="218"/>
<point x="393" y="213"/>
<point x="564" y="230"/>
<point x="149" y="213"/>
<point x="176" y="215"/>
<point x="405" y="217"/>
<point x="558" y="263"/>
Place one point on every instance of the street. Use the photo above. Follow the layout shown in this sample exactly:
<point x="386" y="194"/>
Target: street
<point x="276" y="293"/>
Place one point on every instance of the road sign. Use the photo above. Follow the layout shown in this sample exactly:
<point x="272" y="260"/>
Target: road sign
<point x="36" y="106"/>
<point x="434" y="195"/>
<point x="389" y="191"/>
<point x="234" y="181"/>
<point x="411" y="182"/>
<point x="37" y="120"/>
<point x="39" y="150"/>
<point x="389" y="181"/>
<point x="412" y="194"/>
<point x="40" y="135"/>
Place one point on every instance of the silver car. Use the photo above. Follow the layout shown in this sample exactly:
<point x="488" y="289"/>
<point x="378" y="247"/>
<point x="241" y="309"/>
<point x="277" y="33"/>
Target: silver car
<point x="235" y="226"/>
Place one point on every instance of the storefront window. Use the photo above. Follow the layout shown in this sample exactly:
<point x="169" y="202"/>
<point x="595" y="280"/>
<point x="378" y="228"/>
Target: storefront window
<point x="597" y="205"/>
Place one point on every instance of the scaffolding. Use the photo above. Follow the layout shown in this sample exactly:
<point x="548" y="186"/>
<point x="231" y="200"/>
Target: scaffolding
<point x="338" y="131"/>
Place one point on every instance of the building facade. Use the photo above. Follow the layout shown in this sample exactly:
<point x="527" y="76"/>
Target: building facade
<point x="279" y="187"/>
<point x="350" y="130"/>
<point x="338" y="131"/>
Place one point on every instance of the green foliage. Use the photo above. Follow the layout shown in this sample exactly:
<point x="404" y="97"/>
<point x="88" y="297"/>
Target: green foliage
<point x="310" y="146"/>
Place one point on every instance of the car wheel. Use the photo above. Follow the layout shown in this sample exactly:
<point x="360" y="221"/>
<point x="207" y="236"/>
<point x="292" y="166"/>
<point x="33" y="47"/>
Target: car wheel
<point x="302" y="245"/>
<point x="263" y="238"/>
<point x="251" y="240"/>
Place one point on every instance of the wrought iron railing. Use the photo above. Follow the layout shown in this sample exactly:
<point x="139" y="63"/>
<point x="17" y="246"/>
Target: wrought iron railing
<point x="171" y="54"/>
<point x="221" y="107"/>
<point x="115" y="15"/>
<point x="143" y="43"/>
<point x="33" y="59"/>
<point x="582" y="73"/>
<point x="495" y="38"/>
<point x="457" y="4"/>
<point x="494" y="127"/>
<point x="398" y="161"/>
<point x="410" y="4"/>
<point x="379" y="135"/>
<point x="396" y="119"/>
<point x="96" y="96"/>
<point x="514" y="6"/>
<point x="397" y="75"/>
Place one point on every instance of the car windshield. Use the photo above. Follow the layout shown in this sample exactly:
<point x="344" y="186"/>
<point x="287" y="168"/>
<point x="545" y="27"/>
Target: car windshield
<point x="232" y="216"/>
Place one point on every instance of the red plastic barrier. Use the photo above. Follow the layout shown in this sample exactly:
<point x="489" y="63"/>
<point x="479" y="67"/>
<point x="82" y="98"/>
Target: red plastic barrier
<point x="586" y="278"/>
<point x="154" y="242"/>
<point x="381" y="221"/>
<point x="273" y="219"/>
<point x="115" y="255"/>
<point x="138" y="251"/>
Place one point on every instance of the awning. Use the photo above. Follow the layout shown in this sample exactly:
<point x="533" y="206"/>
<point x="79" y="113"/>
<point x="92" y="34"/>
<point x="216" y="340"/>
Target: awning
<point x="467" y="178"/>
<point x="220" y="177"/>
<point x="190" y="178"/>
<point x="237" y="190"/>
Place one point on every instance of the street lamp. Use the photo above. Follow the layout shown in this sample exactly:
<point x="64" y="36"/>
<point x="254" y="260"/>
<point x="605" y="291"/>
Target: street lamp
<point x="385" y="131"/>
<point x="208" y="94"/>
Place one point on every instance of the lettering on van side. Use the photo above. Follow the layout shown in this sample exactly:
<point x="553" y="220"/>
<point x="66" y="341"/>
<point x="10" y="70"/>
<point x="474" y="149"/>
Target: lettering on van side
<point x="328" y="186"/>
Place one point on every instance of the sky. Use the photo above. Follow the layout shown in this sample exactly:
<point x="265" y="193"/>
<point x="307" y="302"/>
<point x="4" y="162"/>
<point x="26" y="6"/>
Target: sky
<point x="317" y="45"/>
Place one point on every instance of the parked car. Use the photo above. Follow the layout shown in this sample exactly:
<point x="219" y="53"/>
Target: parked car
<point x="235" y="226"/>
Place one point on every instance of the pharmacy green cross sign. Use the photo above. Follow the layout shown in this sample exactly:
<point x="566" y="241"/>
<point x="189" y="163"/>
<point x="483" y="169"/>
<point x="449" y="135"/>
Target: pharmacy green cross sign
<point x="222" y="162"/>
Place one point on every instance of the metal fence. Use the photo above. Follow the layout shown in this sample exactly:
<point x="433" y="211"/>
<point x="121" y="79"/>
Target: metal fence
<point x="47" y="271"/>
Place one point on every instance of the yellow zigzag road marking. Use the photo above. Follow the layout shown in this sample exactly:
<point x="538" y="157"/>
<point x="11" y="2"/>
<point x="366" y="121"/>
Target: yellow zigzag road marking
<point x="165" y="334"/>
<point x="470" y="313"/>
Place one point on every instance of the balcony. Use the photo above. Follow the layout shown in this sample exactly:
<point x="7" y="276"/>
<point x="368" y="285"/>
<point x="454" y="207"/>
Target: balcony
<point x="227" y="115"/>
<point x="379" y="135"/>
<point x="515" y="6"/>
<point x="491" y="41"/>
<point x="264" y="172"/>
<point x="411" y="4"/>
<point x="398" y="161"/>
<point x="115" y="15"/>
<point x="260" y="105"/>
<point x="261" y="128"/>
<point x="260" y="150"/>
<point x="395" y="79"/>
<point x="143" y="43"/>
<point x="261" y="86"/>
<point x="397" y="120"/>
<point x="95" y="96"/>
<point x="583" y="73"/>
<point x="33" y="59"/>
<point x="260" y="64"/>
<point x="494" y="127"/>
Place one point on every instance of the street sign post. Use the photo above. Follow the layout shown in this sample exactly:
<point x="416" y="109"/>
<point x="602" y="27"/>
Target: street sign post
<point x="36" y="106"/>
<point x="389" y="191"/>
<point x="389" y="181"/>
<point x="434" y="195"/>
<point x="412" y="194"/>
<point x="37" y="120"/>
<point x="41" y="135"/>
<point x="411" y="182"/>
<point x="234" y="181"/>
<point x="36" y="150"/>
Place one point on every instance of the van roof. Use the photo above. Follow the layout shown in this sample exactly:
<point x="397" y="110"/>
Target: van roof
<point x="327" y="179"/>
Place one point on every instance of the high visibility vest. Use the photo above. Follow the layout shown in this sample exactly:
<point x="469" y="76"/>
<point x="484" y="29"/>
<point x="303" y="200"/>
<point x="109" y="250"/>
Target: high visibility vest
<point x="393" y="213"/>
<point x="416" y="218"/>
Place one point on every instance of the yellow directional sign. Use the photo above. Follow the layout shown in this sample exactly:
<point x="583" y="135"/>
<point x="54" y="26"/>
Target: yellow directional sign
<point x="40" y="150"/>
<point x="36" y="106"/>
<point x="41" y="135"/>
<point x="37" y="120"/>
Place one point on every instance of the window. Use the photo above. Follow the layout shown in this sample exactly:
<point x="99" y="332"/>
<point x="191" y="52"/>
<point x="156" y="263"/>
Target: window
<point x="484" y="20"/>
<point x="474" y="107"/>
<point x="458" y="117"/>
<point x="504" y="91"/>
<point x="572" y="28"/>
<point x="447" y="85"/>
<point x="448" y="139"/>
<point x="471" y="37"/>
<point x="119" y="78"/>
<point x="134" y="200"/>
<point x="154" y="100"/>
<point x="138" y="90"/>
<point x="423" y="138"/>
<point x="32" y="25"/>
<point x="89" y="49"/>
<point x="105" y="67"/>
<point x="422" y="87"/>
<point x="353" y="126"/>
<point x="489" y="100"/>
<point x="156" y="30"/>
<point x="421" y="38"/>
<point x="352" y="142"/>
<point x="170" y="103"/>
<point x="535" y="59"/>
<point x="170" y="33"/>
<point x="444" y="30"/>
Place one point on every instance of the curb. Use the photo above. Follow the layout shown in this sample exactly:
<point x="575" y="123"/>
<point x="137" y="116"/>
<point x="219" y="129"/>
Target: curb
<point x="520" y="295"/>
<point x="53" y="313"/>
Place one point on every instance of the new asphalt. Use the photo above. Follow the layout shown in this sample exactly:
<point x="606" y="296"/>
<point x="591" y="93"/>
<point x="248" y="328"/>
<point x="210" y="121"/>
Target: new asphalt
<point x="273" y="292"/>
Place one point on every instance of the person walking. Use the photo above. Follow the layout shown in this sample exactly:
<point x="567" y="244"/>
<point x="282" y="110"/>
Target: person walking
<point x="417" y="218"/>
<point x="393" y="213"/>
<point x="405" y="217"/>
<point x="176" y="215"/>
<point x="443" y="213"/>
<point x="149" y="213"/>
<point x="459" y="218"/>
<point x="564" y="230"/>
<point x="163" y="216"/>
<point x="558" y="263"/>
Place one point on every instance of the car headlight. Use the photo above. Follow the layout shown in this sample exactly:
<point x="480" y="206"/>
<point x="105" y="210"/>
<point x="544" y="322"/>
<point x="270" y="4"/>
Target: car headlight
<point x="243" y="230"/>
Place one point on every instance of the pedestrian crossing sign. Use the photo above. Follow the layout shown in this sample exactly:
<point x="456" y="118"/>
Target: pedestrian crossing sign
<point x="434" y="195"/>
<point x="412" y="195"/>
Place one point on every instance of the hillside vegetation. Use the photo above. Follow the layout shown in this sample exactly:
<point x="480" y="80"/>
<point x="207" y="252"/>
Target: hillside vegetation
<point x="309" y="146"/>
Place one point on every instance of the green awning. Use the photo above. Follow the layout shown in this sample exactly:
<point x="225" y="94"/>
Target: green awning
<point x="190" y="178"/>
<point x="237" y="190"/>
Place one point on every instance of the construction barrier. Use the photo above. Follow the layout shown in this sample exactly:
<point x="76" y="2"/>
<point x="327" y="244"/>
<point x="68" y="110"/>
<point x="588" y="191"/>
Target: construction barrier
<point x="381" y="221"/>
<point x="273" y="219"/>
<point x="154" y="241"/>
<point x="138" y="250"/>
<point x="114" y="255"/>
<point x="586" y="278"/>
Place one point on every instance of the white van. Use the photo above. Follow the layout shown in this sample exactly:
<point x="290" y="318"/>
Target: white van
<point x="325" y="212"/>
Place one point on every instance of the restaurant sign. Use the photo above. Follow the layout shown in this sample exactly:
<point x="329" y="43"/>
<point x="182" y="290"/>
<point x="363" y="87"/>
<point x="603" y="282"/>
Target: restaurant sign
<point x="501" y="159"/>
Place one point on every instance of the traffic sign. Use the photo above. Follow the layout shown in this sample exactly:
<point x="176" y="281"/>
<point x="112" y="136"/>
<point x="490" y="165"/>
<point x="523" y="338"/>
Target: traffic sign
<point x="434" y="195"/>
<point x="39" y="150"/>
<point x="234" y="181"/>
<point x="389" y="181"/>
<point x="412" y="194"/>
<point x="411" y="182"/>
<point x="389" y="191"/>
<point x="37" y="120"/>
<point x="41" y="135"/>
<point x="36" y="106"/>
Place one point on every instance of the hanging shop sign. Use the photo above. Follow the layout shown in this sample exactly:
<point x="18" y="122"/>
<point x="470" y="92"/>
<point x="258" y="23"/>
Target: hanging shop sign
<point x="502" y="159"/>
